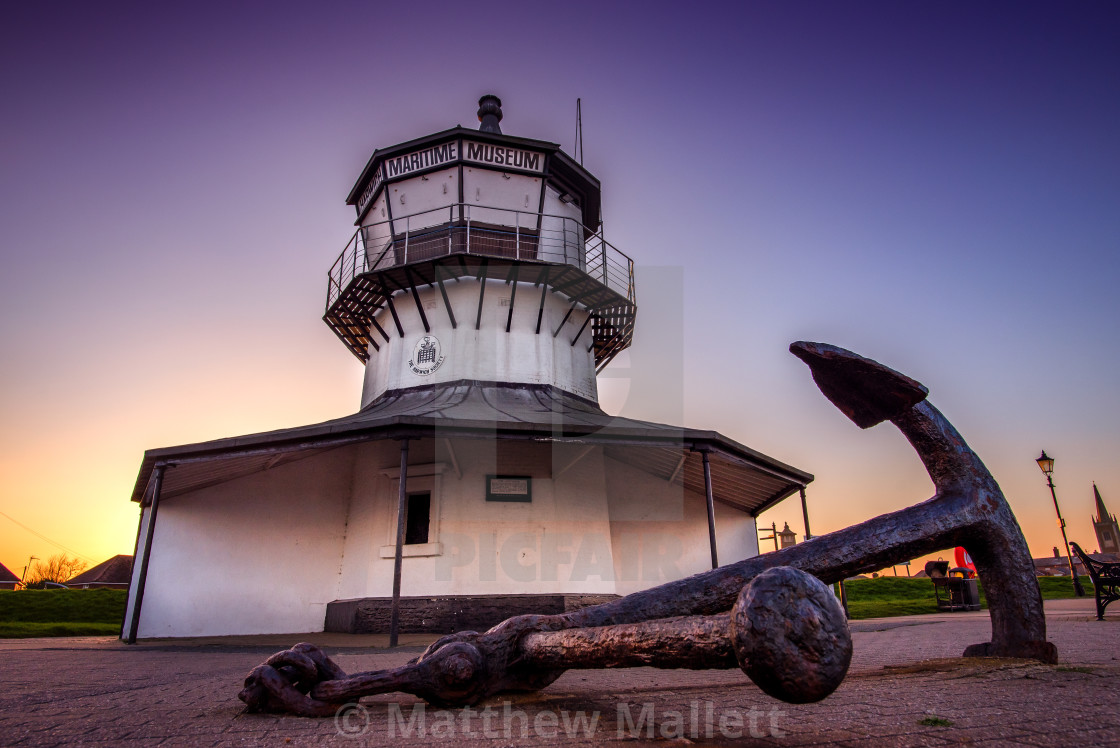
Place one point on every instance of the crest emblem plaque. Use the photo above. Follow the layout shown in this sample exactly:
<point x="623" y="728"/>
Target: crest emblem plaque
<point x="427" y="356"/>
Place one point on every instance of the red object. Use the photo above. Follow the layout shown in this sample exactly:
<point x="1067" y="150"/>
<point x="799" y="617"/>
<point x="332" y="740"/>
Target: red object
<point x="964" y="560"/>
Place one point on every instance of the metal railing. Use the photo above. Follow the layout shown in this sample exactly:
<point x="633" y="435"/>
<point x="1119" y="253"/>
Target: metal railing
<point x="464" y="228"/>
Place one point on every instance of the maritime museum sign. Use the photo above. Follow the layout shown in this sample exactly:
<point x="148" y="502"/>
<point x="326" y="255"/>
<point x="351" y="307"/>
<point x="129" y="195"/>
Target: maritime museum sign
<point x="496" y="155"/>
<point x="447" y="153"/>
<point x="417" y="160"/>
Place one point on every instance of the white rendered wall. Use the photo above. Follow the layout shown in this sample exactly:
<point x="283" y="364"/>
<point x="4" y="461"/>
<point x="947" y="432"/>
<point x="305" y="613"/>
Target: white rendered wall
<point x="513" y="192"/>
<point x="255" y="555"/>
<point x="555" y="206"/>
<point x="488" y="354"/>
<point x="376" y="234"/>
<point x="595" y="525"/>
<point x="660" y="530"/>
<point x="424" y="200"/>
<point x="265" y="553"/>
<point x="560" y="542"/>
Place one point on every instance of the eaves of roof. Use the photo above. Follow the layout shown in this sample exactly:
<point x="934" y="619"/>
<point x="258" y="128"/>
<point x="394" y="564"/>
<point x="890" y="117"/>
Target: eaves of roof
<point x="469" y="409"/>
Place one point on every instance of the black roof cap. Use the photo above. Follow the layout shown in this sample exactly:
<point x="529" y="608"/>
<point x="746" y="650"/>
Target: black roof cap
<point x="490" y="113"/>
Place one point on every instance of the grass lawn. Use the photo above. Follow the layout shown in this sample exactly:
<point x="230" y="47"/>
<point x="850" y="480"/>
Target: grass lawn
<point x="27" y="630"/>
<point x="27" y="613"/>
<point x="905" y="596"/>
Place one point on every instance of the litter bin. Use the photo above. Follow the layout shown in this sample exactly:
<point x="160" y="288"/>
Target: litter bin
<point x="954" y="589"/>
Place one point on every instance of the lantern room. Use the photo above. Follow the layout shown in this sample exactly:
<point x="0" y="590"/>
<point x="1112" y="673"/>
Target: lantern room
<point x="551" y="303"/>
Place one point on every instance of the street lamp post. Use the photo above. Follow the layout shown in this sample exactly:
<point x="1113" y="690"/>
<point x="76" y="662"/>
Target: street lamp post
<point x="1046" y="465"/>
<point x="23" y="579"/>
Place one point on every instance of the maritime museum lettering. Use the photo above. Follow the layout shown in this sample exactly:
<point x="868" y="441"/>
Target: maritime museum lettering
<point x="370" y="191"/>
<point x="447" y="153"/>
<point x="480" y="153"/>
<point x="497" y="155"/>
<point x="410" y="162"/>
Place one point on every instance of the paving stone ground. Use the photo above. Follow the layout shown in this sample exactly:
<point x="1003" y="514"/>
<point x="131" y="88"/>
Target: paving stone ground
<point x="907" y="687"/>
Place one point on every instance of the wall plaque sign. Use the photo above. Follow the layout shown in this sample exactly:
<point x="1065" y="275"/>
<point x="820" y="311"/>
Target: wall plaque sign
<point x="509" y="488"/>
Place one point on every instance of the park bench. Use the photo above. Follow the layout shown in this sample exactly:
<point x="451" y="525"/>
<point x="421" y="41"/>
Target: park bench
<point x="1105" y="576"/>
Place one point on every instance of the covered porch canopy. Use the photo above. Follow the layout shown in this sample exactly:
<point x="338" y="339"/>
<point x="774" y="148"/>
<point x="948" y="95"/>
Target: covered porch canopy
<point x="704" y="462"/>
<point x="741" y="477"/>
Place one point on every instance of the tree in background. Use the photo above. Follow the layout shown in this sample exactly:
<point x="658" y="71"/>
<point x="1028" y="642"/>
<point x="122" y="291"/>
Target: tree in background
<point x="58" y="568"/>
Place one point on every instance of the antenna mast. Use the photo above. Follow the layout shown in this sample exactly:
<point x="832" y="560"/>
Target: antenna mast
<point x="578" y="149"/>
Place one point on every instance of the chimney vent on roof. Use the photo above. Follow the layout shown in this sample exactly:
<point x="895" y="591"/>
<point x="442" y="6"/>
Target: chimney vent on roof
<point x="490" y="113"/>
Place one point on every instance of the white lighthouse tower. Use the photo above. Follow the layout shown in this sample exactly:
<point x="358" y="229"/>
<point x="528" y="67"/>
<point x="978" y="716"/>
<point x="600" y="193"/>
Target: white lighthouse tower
<point x="480" y="478"/>
<point x="551" y="302"/>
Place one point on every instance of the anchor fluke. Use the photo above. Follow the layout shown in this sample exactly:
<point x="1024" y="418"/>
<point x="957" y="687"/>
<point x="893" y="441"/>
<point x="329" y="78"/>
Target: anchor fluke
<point x="864" y="390"/>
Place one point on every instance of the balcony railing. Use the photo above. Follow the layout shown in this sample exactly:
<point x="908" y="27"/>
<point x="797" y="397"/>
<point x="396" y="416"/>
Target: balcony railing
<point x="485" y="231"/>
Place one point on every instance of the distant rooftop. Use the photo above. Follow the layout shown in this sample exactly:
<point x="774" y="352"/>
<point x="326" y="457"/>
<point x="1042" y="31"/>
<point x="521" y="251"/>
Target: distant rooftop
<point x="115" y="571"/>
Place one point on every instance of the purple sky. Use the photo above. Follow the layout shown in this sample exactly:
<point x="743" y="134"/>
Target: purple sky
<point x="936" y="185"/>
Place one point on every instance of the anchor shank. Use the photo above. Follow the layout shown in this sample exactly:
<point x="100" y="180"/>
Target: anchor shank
<point x="695" y="642"/>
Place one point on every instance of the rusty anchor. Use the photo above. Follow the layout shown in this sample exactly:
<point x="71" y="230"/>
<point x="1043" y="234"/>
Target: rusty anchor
<point x="791" y="643"/>
<point x="786" y="631"/>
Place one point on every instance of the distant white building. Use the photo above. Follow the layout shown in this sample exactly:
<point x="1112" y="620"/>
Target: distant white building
<point x="482" y="299"/>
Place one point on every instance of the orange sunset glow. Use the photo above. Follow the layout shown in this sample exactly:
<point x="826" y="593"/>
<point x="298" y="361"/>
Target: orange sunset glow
<point x="173" y="199"/>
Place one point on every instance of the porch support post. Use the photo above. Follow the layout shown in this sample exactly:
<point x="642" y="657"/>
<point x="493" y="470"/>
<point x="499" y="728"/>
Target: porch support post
<point x="402" y="519"/>
<point x="805" y="513"/>
<point x="157" y="485"/>
<point x="711" y="506"/>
